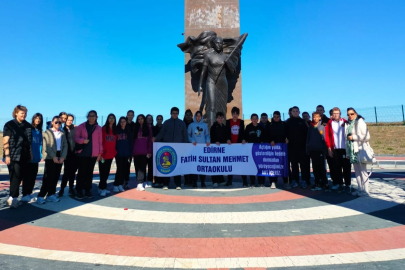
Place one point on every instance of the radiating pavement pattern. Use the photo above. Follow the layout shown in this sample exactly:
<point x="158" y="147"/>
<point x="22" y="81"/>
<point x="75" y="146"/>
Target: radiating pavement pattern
<point x="211" y="229"/>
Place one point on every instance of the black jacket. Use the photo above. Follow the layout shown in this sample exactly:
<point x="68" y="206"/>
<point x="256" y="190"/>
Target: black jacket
<point x="70" y="137"/>
<point x="219" y="133"/>
<point x="254" y="134"/>
<point x="324" y="120"/>
<point x="156" y="129"/>
<point x="276" y="132"/>
<point x="241" y="129"/>
<point x="173" y="130"/>
<point x="296" y="132"/>
<point x="20" y="134"/>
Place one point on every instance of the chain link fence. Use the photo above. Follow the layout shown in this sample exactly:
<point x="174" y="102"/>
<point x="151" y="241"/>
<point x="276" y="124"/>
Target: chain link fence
<point x="384" y="115"/>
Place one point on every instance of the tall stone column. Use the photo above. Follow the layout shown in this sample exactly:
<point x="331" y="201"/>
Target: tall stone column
<point x="222" y="17"/>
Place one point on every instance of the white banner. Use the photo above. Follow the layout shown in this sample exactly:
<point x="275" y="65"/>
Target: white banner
<point x="171" y="159"/>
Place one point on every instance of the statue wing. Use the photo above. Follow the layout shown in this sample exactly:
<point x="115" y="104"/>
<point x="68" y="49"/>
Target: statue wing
<point x="233" y="48"/>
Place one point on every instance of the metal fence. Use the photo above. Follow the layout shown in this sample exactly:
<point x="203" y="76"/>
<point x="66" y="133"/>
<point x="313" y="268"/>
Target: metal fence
<point x="375" y="115"/>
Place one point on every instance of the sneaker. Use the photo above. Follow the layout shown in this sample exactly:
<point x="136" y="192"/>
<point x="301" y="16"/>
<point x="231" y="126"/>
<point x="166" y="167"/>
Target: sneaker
<point x="178" y="188"/>
<point x="120" y="188"/>
<point x="316" y="188"/>
<point x="140" y="187"/>
<point x="203" y="185"/>
<point x="273" y="185"/>
<point x="101" y="190"/>
<point x="72" y="192"/>
<point x="12" y="202"/>
<point x="252" y="186"/>
<point x="215" y="185"/>
<point x="79" y="195"/>
<point x="40" y="200"/>
<point x="336" y="187"/>
<point x="194" y="185"/>
<point x="303" y="184"/>
<point x="61" y="192"/>
<point x="126" y="187"/>
<point x="52" y="198"/>
<point x="165" y="187"/>
<point x="262" y="186"/>
<point x="326" y="188"/>
<point x="245" y="185"/>
<point x="88" y="194"/>
<point x="26" y="198"/>
<point x="348" y="189"/>
<point x="107" y="191"/>
<point x="355" y="193"/>
<point x="228" y="184"/>
<point x="103" y="193"/>
<point x="287" y="186"/>
<point x="147" y="185"/>
<point x="33" y="198"/>
<point x="116" y="189"/>
<point x="341" y="189"/>
<point x="294" y="184"/>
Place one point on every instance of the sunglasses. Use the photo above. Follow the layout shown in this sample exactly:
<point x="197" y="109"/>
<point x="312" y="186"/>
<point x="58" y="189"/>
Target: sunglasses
<point x="350" y="114"/>
<point x="58" y="123"/>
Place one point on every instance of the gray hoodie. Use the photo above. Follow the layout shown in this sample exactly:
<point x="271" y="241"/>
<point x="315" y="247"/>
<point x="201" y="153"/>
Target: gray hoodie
<point x="173" y="130"/>
<point x="198" y="131"/>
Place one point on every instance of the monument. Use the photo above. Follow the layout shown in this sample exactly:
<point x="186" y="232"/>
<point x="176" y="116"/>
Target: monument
<point x="205" y="23"/>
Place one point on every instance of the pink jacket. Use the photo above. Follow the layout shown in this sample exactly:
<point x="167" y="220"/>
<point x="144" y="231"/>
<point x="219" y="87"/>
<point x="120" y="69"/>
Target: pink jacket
<point x="97" y="138"/>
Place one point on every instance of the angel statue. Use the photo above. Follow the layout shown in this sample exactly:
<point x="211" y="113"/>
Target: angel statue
<point x="215" y="69"/>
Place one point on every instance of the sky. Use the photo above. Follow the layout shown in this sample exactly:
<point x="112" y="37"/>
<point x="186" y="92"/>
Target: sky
<point x="113" y="56"/>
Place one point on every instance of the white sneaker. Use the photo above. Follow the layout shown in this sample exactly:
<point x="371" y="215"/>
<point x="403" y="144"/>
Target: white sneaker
<point x="178" y="188"/>
<point x="335" y="187"/>
<point x="116" y="189"/>
<point x="26" y="198"/>
<point x="103" y="193"/>
<point x="40" y="200"/>
<point x="140" y="187"/>
<point x="101" y="190"/>
<point x="147" y="185"/>
<point x="273" y="185"/>
<point x="52" y="198"/>
<point x="215" y="185"/>
<point x="165" y="187"/>
<point x="13" y="202"/>
<point x="120" y="188"/>
<point x="107" y="191"/>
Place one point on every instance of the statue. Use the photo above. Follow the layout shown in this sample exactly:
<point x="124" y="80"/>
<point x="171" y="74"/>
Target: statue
<point x="215" y="68"/>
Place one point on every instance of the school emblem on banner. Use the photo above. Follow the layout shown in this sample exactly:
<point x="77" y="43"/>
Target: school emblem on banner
<point x="166" y="159"/>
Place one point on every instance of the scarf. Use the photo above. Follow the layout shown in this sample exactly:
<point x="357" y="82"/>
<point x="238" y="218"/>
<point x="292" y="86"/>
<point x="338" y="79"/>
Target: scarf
<point x="349" y="144"/>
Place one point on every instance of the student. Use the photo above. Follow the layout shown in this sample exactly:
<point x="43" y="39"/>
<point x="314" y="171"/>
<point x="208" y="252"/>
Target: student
<point x="124" y="153"/>
<point x="321" y="110"/>
<point x="70" y="164"/>
<point x="142" y="150"/>
<point x="316" y="149"/>
<point x="358" y="137"/>
<point x="32" y="168"/>
<point x="131" y="127"/>
<point x="149" y="182"/>
<point x="188" y="119"/>
<point x="17" y="150"/>
<point x="296" y="132"/>
<point x="156" y="129"/>
<point x="89" y="146"/>
<point x="254" y="133"/>
<point x="264" y="120"/>
<point x="54" y="152"/>
<point x="236" y="129"/>
<point x="63" y="116"/>
<point x="198" y="133"/>
<point x="329" y="160"/>
<point x="173" y="130"/>
<point x="276" y="133"/>
<point x="336" y="142"/>
<point x="307" y="119"/>
<point x="109" y="132"/>
<point x="219" y="133"/>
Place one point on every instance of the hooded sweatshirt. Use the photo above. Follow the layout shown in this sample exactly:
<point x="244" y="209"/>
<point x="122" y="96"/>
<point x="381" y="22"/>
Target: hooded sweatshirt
<point x="36" y="145"/>
<point x="296" y="132"/>
<point x="124" y="143"/>
<point x="316" y="138"/>
<point x="254" y="134"/>
<point x="143" y="144"/>
<point x="198" y="131"/>
<point x="109" y="144"/>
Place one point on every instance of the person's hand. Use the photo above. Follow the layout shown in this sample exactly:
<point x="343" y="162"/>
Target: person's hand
<point x="8" y="160"/>
<point x="286" y="140"/>
<point x="61" y="160"/>
<point x="330" y="152"/>
<point x="272" y="143"/>
<point x="243" y="142"/>
<point x="194" y="143"/>
<point x="153" y="139"/>
<point x="98" y="158"/>
<point x="229" y="142"/>
<point x="208" y="144"/>
<point x="218" y="143"/>
<point x="55" y="159"/>
<point x="350" y="137"/>
<point x="86" y="141"/>
<point x="199" y="91"/>
<point x="148" y="155"/>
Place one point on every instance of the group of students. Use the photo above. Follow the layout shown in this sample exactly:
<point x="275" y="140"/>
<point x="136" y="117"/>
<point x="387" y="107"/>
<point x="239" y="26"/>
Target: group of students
<point x="79" y="148"/>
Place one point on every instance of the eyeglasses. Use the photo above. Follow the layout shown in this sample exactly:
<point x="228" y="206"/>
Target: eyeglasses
<point x="58" y="123"/>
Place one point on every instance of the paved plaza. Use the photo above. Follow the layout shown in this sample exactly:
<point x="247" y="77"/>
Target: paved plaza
<point x="224" y="228"/>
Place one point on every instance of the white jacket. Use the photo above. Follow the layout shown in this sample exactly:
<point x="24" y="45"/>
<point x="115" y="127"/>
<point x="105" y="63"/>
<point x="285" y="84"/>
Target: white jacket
<point x="360" y="135"/>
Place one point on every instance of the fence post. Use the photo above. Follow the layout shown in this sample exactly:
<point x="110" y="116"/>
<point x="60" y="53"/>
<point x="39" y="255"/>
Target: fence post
<point x="376" y="120"/>
<point x="403" y="116"/>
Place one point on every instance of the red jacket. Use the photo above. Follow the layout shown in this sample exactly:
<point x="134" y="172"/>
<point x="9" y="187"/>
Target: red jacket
<point x="330" y="141"/>
<point x="109" y="142"/>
